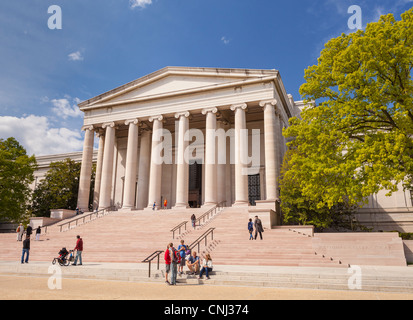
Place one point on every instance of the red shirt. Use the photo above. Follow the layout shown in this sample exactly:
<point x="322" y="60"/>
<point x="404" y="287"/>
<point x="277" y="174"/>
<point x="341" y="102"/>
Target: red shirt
<point x="167" y="257"/>
<point x="79" y="244"/>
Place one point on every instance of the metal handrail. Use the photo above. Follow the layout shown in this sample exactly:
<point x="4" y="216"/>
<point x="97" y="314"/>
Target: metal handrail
<point x="179" y="226"/>
<point x="151" y="257"/>
<point x="206" y="214"/>
<point x="202" y="237"/>
<point x="84" y="216"/>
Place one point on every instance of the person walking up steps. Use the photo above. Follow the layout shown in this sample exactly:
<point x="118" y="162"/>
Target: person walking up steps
<point x="250" y="229"/>
<point x="258" y="227"/>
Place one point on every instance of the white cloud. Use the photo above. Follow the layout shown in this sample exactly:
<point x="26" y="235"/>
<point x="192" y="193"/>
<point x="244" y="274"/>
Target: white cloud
<point x="64" y="109"/>
<point x="37" y="136"/>
<point x="225" y="40"/>
<point x="139" y="3"/>
<point x="76" y="56"/>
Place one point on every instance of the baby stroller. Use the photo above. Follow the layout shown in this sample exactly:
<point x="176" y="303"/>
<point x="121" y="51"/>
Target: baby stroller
<point x="63" y="260"/>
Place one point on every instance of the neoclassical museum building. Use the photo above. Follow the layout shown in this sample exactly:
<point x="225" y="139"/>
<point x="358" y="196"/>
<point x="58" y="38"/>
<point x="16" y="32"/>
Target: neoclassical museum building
<point x="196" y="137"/>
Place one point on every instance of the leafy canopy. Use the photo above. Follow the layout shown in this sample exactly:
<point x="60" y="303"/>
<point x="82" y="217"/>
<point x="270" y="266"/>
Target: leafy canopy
<point x="358" y="139"/>
<point x="16" y="175"/>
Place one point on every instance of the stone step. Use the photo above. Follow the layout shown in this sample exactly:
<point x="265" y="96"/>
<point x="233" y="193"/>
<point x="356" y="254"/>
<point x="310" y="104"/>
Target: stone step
<point x="312" y="278"/>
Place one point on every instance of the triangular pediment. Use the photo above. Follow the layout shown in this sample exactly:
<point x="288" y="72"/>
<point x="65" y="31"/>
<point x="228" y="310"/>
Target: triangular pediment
<point x="176" y="80"/>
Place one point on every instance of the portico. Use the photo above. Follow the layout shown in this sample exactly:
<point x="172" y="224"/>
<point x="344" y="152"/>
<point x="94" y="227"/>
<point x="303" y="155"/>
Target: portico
<point x="180" y="133"/>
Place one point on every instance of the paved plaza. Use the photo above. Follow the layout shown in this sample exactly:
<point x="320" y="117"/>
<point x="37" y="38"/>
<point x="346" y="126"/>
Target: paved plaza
<point x="36" y="288"/>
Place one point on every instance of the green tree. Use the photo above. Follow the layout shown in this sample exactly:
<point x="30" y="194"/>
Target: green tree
<point x="358" y="139"/>
<point x="16" y="175"/>
<point x="58" y="189"/>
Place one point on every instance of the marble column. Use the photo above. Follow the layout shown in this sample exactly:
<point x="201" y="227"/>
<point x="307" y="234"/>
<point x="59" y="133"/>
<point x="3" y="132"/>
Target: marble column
<point x="131" y="164"/>
<point x="144" y="169"/>
<point x="107" y="166"/>
<point x="210" y="157"/>
<point x="86" y="170"/>
<point x="182" y="165"/>
<point x="272" y="148"/>
<point x="155" y="178"/>
<point x="241" y="156"/>
<point x="98" y="176"/>
<point x="221" y="165"/>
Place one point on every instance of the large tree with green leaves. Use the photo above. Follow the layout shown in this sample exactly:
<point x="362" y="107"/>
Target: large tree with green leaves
<point x="357" y="138"/>
<point x="16" y="175"/>
<point x="58" y="189"/>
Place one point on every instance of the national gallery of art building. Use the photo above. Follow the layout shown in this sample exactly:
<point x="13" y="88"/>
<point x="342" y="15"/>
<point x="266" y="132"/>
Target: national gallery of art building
<point x="197" y="137"/>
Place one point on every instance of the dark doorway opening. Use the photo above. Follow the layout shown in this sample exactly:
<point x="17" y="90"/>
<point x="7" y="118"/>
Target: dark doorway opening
<point x="195" y="185"/>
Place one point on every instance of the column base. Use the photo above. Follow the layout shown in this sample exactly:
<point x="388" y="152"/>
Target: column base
<point x="180" y="206"/>
<point x="243" y="204"/>
<point x="209" y="204"/>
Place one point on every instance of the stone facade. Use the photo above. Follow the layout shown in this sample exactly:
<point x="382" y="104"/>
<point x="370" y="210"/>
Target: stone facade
<point x="199" y="136"/>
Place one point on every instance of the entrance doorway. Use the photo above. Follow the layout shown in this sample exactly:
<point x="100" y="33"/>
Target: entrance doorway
<point x="195" y="185"/>
<point x="254" y="189"/>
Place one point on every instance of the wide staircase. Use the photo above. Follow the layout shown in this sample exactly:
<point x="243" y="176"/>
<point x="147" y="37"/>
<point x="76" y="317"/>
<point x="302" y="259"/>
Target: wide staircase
<point x="130" y="237"/>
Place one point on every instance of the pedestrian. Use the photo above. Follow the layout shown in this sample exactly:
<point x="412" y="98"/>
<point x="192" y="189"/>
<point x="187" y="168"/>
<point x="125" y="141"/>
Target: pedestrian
<point x="79" y="250"/>
<point x="182" y="248"/>
<point x="26" y="250"/>
<point x="206" y="266"/>
<point x="175" y="260"/>
<point x="250" y="229"/>
<point x="258" y="227"/>
<point x="193" y="220"/>
<point x="165" y="204"/>
<point x="20" y="231"/>
<point x="29" y="230"/>
<point x="154" y="206"/>
<point x="193" y="263"/>
<point x="167" y="258"/>
<point x="77" y="210"/>
<point x="38" y="232"/>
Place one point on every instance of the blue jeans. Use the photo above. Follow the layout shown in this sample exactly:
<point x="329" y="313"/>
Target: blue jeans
<point x="78" y="256"/>
<point x="25" y="251"/>
<point x="206" y="270"/>
<point x="174" y="272"/>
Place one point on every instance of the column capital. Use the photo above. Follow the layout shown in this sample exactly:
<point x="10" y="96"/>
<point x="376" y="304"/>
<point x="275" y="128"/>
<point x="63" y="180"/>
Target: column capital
<point x="134" y="121"/>
<point x="242" y="106"/>
<point x="272" y="102"/>
<point x="153" y="118"/>
<point x="185" y="114"/>
<point x="91" y="128"/>
<point x="108" y="124"/>
<point x="207" y="110"/>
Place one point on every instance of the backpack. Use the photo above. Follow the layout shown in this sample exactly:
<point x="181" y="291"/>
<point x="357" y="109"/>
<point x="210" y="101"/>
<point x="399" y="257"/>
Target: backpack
<point x="176" y="257"/>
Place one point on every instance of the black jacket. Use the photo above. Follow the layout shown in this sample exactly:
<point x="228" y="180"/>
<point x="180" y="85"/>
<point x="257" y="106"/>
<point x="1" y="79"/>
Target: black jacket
<point x="26" y="244"/>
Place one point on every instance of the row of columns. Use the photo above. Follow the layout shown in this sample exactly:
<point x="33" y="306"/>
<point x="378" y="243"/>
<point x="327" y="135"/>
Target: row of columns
<point x="150" y="170"/>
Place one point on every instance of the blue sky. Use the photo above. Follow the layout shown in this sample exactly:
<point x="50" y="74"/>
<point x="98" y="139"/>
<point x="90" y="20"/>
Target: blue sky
<point x="103" y="44"/>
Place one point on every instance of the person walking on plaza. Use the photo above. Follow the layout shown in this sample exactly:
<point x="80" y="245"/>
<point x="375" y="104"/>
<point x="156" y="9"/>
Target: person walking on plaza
<point x="206" y="266"/>
<point x="38" y="232"/>
<point x="258" y="227"/>
<point x="26" y="250"/>
<point x="250" y="229"/>
<point x="182" y="248"/>
<point x="79" y="250"/>
<point x="29" y="230"/>
<point x="168" y="261"/>
<point x="165" y="204"/>
<point x="20" y="231"/>
<point x="175" y="260"/>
